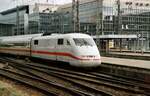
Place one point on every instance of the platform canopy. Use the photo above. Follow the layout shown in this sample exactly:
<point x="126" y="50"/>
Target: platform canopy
<point x="115" y="36"/>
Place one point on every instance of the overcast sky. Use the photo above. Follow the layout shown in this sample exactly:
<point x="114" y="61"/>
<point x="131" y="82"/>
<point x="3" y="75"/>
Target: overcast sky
<point x="6" y="4"/>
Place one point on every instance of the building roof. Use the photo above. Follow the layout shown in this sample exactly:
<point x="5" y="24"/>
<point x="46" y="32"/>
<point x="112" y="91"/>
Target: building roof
<point x="4" y="23"/>
<point x="23" y="7"/>
<point x="81" y="2"/>
<point x="115" y="36"/>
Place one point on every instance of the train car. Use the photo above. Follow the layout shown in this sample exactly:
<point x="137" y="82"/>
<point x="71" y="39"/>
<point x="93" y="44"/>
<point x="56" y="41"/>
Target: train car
<point x="16" y="45"/>
<point x="75" y="48"/>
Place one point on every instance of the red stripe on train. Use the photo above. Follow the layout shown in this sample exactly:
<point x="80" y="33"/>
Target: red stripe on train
<point x="48" y="53"/>
<point x="61" y="54"/>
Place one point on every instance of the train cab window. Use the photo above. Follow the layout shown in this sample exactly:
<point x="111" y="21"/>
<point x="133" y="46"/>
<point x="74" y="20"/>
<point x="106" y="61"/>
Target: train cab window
<point x="60" y="41"/>
<point x="83" y="42"/>
<point x="36" y="42"/>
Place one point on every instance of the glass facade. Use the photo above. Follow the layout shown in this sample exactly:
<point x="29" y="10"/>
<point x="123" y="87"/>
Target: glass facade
<point x="131" y="17"/>
<point x="10" y="17"/>
<point x="6" y="29"/>
<point x="124" y="18"/>
<point x="49" y="23"/>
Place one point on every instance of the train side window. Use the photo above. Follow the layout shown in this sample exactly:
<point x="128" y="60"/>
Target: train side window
<point x="60" y="41"/>
<point x="36" y="42"/>
<point x="68" y="43"/>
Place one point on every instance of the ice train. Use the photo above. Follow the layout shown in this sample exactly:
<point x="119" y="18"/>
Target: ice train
<point x="75" y="48"/>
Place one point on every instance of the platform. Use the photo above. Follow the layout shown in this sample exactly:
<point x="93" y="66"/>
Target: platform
<point x="131" y="53"/>
<point x="127" y="62"/>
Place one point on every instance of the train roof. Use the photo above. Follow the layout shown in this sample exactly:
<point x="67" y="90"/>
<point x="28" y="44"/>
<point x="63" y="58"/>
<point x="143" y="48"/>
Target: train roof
<point x="27" y="38"/>
<point x="18" y="38"/>
<point x="68" y="35"/>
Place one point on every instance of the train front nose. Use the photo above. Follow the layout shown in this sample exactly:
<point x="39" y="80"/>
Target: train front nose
<point x="88" y="61"/>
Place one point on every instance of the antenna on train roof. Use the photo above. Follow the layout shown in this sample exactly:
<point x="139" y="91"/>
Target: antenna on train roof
<point x="46" y="33"/>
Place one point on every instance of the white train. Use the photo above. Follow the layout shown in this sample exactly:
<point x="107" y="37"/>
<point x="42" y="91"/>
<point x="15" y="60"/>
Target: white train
<point x="75" y="48"/>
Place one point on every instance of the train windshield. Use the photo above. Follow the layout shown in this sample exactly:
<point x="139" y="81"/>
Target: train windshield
<point x="84" y="42"/>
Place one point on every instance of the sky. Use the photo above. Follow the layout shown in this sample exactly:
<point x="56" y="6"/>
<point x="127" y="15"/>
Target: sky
<point x="7" y="4"/>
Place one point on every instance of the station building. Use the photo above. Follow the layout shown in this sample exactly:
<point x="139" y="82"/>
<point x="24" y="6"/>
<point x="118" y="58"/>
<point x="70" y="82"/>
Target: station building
<point x="29" y="19"/>
<point x="133" y="19"/>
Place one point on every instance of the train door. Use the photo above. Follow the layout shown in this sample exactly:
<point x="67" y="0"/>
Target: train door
<point x="59" y="49"/>
<point x="63" y="49"/>
<point x="34" y="48"/>
<point x="68" y="50"/>
<point x="52" y="44"/>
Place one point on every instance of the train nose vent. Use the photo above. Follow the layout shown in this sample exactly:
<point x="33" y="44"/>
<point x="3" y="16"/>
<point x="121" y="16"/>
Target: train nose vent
<point x="88" y="56"/>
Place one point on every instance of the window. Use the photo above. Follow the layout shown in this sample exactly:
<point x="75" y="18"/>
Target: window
<point x="60" y="41"/>
<point x="83" y="42"/>
<point x="35" y="42"/>
<point x="68" y="43"/>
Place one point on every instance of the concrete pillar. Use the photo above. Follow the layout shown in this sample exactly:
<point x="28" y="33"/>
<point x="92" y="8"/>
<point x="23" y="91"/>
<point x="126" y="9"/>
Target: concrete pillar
<point x="120" y="45"/>
<point x="135" y="45"/>
<point x="26" y="24"/>
<point x="107" y="46"/>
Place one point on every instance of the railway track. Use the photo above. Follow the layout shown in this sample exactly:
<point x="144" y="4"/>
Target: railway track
<point x="86" y="77"/>
<point x="75" y="77"/>
<point x="135" y="83"/>
<point x="131" y="84"/>
<point x="83" y="81"/>
<point x="45" y="87"/>
<point x="86" y="83"/>
<point x="97" y="79"/>
<point x="73" y="87"/>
